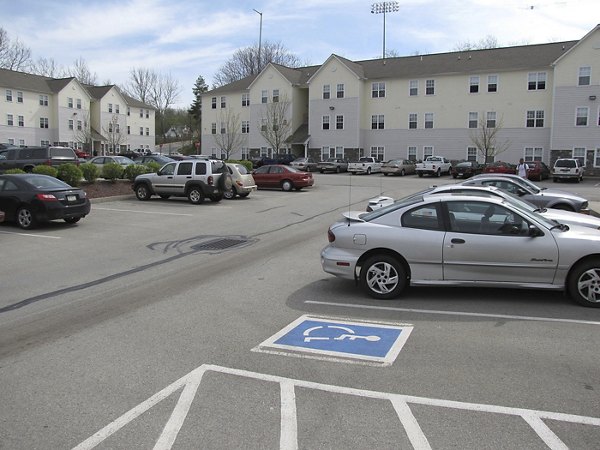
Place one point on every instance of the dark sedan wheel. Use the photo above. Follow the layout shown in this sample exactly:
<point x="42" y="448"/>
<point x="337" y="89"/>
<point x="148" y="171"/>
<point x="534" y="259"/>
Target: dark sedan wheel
<point x="25" y="218"/>
<point x="142" y="192"/>
<point x="584" y="283"/>
<point x="72" y="219"/>
<point x="382" y="277"/>
<point x="195" y="196"/>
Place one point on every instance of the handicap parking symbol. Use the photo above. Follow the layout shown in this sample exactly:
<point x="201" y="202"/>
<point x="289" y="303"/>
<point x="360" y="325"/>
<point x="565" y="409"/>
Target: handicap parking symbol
<point x="357" y="340"/>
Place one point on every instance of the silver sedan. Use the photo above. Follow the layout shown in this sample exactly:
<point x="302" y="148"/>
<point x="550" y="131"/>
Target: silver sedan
<point x="463" y="240"/>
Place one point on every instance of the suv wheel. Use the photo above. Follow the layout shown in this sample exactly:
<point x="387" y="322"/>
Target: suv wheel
<point x="142" y="192"/>
<point x="195" y="195"/>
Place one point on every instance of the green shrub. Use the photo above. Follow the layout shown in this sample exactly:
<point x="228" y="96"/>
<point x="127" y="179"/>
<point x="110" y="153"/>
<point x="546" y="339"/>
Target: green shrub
<point x="112" y="171"/>
<point x="70" y="174"/>
<point x="133" y="170"/>
<point x="153" y="166"/>
<point x="90" y="171"/>
<point x="43" y="169"/>
<point x="246" y="163"/>
<point x="9" y="171"/>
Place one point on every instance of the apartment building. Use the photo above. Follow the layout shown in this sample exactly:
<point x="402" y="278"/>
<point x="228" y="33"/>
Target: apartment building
<point x="37" y="110"/>
<point x="541" y="101"/>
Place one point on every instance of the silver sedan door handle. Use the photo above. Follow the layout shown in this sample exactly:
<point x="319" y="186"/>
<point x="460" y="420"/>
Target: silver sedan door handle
<point x="457" y="241"/>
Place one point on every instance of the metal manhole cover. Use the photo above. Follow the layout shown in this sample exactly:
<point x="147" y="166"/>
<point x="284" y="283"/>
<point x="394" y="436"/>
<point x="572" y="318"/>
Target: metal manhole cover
<point x="219" y="244"/>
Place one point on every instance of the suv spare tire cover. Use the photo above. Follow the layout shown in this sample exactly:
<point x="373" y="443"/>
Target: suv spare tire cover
<point x="225" y="182"/>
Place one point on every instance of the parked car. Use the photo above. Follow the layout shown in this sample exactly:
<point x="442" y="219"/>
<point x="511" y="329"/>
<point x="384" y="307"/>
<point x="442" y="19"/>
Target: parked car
<point x="434" y="166"/>
<point x="101" y="161"/>
<point x="525" y="189"/>
<point x="567" y="169"/>
<point x="1" y="216"/>
<point x="82" y="154"/>
<point x="336" y="165"/>
<point x="500" y="167"/>
<point x="305" y="164"/>
<point x="132" y="154"/>
<point x="281" y="176"/>
<point x="5" y="146"/>
<point x="279" y="158"/>
<point x="538" y="171"/>
<point x="159" y="159"/>
<point x="195" y="179"/>
<point x="30" y="199"/>
<point x="398" y="167"/>
<point x="467" y="169"/>
<point x="560" y="216"/>
<point x="454" y="240"/>
<point x="242" y="181"/>
<point x="26" y="158"/>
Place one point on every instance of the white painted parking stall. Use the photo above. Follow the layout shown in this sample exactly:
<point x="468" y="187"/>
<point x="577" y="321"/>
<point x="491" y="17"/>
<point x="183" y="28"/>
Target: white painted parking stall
<point x="290" y="419"/>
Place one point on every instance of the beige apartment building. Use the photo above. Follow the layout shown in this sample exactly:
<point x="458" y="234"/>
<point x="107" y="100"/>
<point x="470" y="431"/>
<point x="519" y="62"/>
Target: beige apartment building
<point x="543" y="101"/>
<point x="37" y="110"/>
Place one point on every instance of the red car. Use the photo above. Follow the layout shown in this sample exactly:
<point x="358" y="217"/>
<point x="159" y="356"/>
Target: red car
<point x="538" y="171"/>
<point x="280" y="176"/>
<point x="500" y="167"/>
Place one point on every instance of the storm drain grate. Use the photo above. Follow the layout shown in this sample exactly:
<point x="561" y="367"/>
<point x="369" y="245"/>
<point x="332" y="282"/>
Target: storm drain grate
<point x="219" y="244"/>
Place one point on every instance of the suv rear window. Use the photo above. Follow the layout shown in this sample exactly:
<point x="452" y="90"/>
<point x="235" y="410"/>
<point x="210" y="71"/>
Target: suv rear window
<point x="62" y="152"/>
<point x="565" y="163"/>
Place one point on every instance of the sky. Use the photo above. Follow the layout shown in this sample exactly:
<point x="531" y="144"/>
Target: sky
<point x="191" y="38"/>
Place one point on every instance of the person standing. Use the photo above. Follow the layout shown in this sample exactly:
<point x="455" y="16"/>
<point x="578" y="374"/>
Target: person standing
<point x="522" y="168"/>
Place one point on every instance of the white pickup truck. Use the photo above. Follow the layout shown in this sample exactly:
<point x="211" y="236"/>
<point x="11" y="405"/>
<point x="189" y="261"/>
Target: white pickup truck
<point x="434" y="165"/>
<point x="366" y="165"/>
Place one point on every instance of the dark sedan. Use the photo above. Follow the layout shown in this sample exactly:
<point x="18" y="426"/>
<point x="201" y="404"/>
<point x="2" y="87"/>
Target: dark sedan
<point x="283" y="177"/>
<point x="467" y="169"/>
<point x="29" y="199"/>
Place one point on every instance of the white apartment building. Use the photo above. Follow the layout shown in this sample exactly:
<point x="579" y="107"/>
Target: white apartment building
<point x="543" y="100"/>
<point x="37" y="110"/>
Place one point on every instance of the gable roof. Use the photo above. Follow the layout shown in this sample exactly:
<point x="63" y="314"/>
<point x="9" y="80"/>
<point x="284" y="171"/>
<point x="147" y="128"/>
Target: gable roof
<point x="33" y="83"/>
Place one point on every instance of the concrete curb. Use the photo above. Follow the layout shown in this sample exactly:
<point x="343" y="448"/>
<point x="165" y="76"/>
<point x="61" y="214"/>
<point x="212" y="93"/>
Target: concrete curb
<point x="110" y="199"/>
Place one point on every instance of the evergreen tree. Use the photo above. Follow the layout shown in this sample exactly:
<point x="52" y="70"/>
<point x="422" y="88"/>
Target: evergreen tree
<point x="195" y="110"/>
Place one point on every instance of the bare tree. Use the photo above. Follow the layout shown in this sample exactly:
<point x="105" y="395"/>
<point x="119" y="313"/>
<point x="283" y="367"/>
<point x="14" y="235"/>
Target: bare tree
<point x="484" y="43"/>
<point x="244" y="62"/>
<point x="275" y="127"/>
<point x="47" y="67"/>
<point x="14" y="55"/>
<point x="163" y="94"/>
<point x="114" y="135"/>
<point x="84" y="135"/>
<point x="81" y="71"/>
<point x="230" y="138"/>
<point x="486" y="139"/>
<point x="140" y="83"/>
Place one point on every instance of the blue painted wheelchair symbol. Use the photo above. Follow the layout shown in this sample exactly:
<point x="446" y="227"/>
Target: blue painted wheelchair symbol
<point x="361" y="340"/>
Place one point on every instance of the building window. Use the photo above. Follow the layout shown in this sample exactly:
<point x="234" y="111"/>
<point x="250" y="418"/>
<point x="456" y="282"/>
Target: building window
<point x="412" y="153"/>
<point x="141" y="131"/>
<point x="536" y="81"/>
<point x="128" y="129"/>
<point x="264" y="96"/>
<point x="9" y="96"/>
<point x="275" y="95"/>
<point x="245" y="126"/>
<point x="141" y="113"/>
<point x="377" y="122"/>
<point x="72" y="125"/>
<point x="585" y="75"/>
<point x="378" y="153"/>
<point x="581" y="119"/>
<point x="597" y="157"/>
<point x="339" y="152"/>
<point x="533" y="154"/>
<point x="340" y="90"/>
<point x="117" y="109"/>
<point x="9" y="120"/>
<point x="428" y="120"/>
<point x="147" y="130"/>
<point x="213" y="128"/>
<point x="325" y="153"/>
<point x="579" y="154"/>
<point x="21" y="121"/>
<point x="147" y="114"/>
<point x="43" y="100"/>
<point x="412" y="121"/>
<point x="413" y="87"/>
<point x="430" y="87"/>
<point x="473" y="119"/>
<point x="43" y="122"/>
<point x="474" y="85"/>
<point x="118" y="128"/>
<point x="223" y="128"/>
<point x="246" y="99"/>
<point x="326" y="91"/>
<point x="223" y="102"/>
<point x="339" y="122"/>
<point x="69" y="102"/>
<point x="492" y="83"/>
<point x="535" y="119"/>
<point x="79" y="105"/>
<point x="110" y="108"/>
<point x="213" y="103"/>
<point x="245" y="153"/>
<point x="491" y="120"/>
<point x="325" y="123"/>
<point x="471" y="153"/>
<point x="378" y="90"/>
<point x="263" y="125"/>
<point x="427" y="152"/>
<point x="110" y="126"/>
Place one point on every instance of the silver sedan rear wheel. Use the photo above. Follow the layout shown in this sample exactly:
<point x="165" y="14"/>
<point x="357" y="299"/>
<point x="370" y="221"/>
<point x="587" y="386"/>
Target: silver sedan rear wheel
<point x="383" y="277"/>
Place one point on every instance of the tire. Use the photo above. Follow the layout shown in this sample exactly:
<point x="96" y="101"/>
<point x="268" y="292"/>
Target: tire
<point x="322" y="171"/>
<point x="337" y="169"/>
<point x="72" y="219"/>
<point x="420" y="174"/>
<point x="142" y="192"/>
<point x="385" y="174"/>
<point x="164" y="196"/>
<point x="584" y="283"/>
<point x="287" y="185"/>
<point x="382" y="277"/>
<point x="402" y="173"/>
<point x="438" y="173"/>
<point x="195" y="195"/>
<point x="368" y="171"/>
<point x="216" y="198"/>
<point x="454" y="176"/>
<point x="449" y="171"/>
<point x="244" y="195"/>
<point x="555" y="180"/>
<point x="229" y="194"/>
<point x="25" y="218"/>
<point x="225" y="182"/>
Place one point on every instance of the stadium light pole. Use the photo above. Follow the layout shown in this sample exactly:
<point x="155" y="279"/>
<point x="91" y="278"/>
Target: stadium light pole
<point x="259" y="37"/>
<point x="383" y="8"/>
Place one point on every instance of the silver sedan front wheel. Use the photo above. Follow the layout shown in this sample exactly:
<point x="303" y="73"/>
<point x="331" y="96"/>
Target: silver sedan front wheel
<point x="584" y="283"/>
<point x="382" y="277"/>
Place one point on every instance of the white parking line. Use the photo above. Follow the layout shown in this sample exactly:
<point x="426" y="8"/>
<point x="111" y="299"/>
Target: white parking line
<point x="142" y="212"/>
<point x="31" y="235"/>
<point x="455" y="313"/>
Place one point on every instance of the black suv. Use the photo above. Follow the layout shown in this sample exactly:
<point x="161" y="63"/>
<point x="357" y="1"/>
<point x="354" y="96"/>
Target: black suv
<point x="194" y="179"/>
<point x="26" y="158"/>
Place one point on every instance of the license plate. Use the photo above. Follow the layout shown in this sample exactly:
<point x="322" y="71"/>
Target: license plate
<point x="71" y="198"/>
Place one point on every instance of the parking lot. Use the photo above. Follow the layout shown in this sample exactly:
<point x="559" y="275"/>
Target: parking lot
<point x="162" y="324"/>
